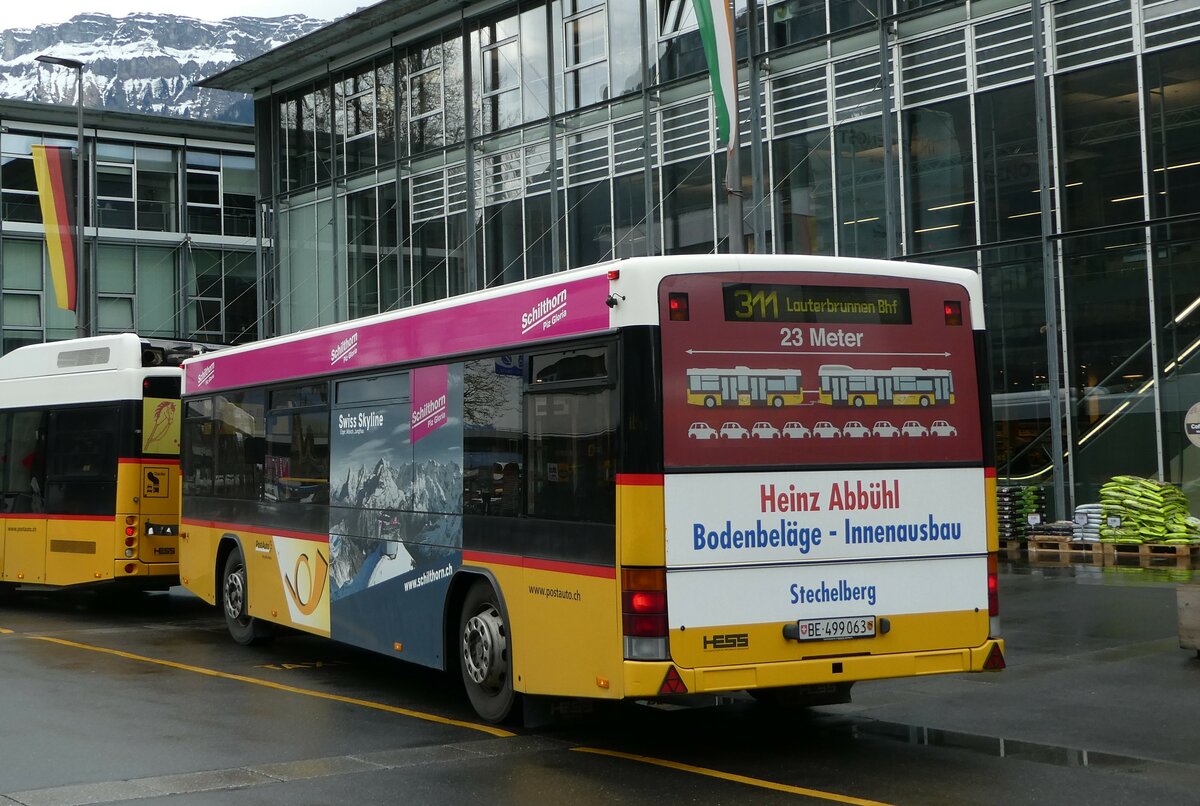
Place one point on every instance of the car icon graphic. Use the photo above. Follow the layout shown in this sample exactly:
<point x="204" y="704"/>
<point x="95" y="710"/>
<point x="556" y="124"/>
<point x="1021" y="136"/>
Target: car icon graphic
<point x="855" y="429"/>
<point x="701" y="431"/>
<point x="825" y="430"/>
<point x="734" y="431"/>
<point x="763" y="430"/>
<point x="912" y="428"/>
<point x="941" y="428"/>
<point x="885" y="429"/>
<point x="795" y="430"/>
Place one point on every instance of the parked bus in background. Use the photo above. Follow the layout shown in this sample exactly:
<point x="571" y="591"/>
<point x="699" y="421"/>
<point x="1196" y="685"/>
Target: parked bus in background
<point x="89" y="462"/>
<point x="510" y="485"/>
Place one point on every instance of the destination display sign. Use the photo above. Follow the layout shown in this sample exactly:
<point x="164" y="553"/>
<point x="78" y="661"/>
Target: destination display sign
<point x="761" y="302"/>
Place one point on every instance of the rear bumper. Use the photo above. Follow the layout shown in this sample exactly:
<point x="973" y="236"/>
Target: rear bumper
<point x="644" y="679"/>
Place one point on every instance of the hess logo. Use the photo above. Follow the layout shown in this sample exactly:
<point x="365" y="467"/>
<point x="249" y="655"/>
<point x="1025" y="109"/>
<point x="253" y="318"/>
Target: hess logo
<point x="307" y="582"/>
<point x="733" y="640"/>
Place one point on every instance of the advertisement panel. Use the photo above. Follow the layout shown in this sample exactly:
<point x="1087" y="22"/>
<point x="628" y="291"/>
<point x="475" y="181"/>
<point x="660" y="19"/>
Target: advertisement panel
<point x="832" y="369"/>
<point x="822" y="516"/>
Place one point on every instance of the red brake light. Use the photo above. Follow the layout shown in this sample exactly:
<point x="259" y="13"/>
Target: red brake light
<point x="677" y="307"/>
<point x="130" y="531"/>
<point x="614" y="274"/>
<point x="993" y="586"/>
<point x="953" y="310"/>
<point x="644" y="602"/>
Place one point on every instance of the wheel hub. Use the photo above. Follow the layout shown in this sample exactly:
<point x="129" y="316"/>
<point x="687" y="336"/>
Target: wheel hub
<point x="235" y="594"/>
<point x="484" y="648"/>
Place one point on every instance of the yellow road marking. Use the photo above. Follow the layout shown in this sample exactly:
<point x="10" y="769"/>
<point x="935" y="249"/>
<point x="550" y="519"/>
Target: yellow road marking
<point x="5" y="632"/>
<point x="391" y="709"/>
<point x="728" y="776"/>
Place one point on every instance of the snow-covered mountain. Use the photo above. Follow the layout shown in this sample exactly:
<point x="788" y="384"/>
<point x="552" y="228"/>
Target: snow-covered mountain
<point x="144" y="63"/>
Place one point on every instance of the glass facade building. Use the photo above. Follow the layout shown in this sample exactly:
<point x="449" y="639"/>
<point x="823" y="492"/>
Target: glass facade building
<point x="169" y="226"/>
<point x="407" y="154"/>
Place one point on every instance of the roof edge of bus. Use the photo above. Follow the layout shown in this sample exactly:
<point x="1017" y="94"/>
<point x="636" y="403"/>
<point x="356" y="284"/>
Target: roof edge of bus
<point x="666" y="264"/>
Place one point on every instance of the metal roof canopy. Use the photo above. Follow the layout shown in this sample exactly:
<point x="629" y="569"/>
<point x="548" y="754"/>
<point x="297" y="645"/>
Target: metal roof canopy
<point x="20" y="114"/>
<point x="342" y="40"/>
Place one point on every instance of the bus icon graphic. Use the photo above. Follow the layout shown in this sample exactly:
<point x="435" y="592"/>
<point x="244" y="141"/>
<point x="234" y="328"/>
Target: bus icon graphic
<point x="742" y="386"/>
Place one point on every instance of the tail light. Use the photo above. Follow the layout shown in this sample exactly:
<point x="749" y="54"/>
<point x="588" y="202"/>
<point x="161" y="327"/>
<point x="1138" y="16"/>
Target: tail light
<point x="993" y="586"/>
<point x="953" y="310"/>
<point x="677" y="307"/>
<point x="644" y="613"/>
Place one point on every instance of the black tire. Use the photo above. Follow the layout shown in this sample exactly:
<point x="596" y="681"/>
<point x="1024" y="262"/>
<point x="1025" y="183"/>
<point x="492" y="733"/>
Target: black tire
<point x="243" y="628"/>
<point x="710" y="402"/>
<point x="777" y="402"/>
<point x="484" y="654"/>
<point x="859" y="402"/>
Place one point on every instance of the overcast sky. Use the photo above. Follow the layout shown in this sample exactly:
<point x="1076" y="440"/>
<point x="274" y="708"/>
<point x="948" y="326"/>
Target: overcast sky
<point x="27" y="13"/>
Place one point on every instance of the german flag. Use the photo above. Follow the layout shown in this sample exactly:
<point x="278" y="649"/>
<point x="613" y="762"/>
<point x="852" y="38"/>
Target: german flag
<point x="55" y="171"/>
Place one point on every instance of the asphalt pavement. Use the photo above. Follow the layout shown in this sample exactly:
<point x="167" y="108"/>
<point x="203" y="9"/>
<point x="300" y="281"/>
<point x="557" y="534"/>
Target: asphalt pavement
<point x="1095" y="676"/>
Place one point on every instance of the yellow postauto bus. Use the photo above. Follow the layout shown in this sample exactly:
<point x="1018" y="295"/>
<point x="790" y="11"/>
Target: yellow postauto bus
<point x="518" y="486"/>
<point x="89" y="463"/>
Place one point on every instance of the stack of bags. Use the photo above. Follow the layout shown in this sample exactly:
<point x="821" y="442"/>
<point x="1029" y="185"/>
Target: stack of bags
<point x="1014" y="505"/>
<point x="1149" y="512"/>
<point x="1053" y="529"/>
<point x="1089" y="519"/>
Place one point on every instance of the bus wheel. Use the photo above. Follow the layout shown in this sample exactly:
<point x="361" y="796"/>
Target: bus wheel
<point x="859" y="402"/>
<point x="244" y="628"/>
<point x="924" y="402"/>
<point x="484" y="654"/>
<point x="709" y="402"/>
<point x="777" y="402"/>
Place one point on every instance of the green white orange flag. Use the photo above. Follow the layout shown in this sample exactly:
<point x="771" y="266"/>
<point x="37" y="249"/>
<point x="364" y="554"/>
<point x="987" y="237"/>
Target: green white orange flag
<point x="54" y="169"/>
<point x="716" y="33"/>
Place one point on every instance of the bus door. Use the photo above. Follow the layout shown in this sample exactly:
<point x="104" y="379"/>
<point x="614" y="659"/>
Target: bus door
<point x="22" y="509"/>
<point x="729" y="390"/>
<point x="81" y="489"/>
<point x="885" y="386"/>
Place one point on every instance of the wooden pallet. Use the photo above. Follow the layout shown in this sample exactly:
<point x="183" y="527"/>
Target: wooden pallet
<point x="1053" y="550"/>
<point x="1152" y="555"/>
<point x="1012" y="549"/>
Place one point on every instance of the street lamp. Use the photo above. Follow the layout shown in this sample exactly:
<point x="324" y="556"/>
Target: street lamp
<point x="85" y="311"/>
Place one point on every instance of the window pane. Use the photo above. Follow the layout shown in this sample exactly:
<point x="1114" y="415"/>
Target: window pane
<point x="1101" y="165"/>
<point x="112" y="180"/>
<point x="114" y="269"/>
<point x="804" y="185"/>
<point x="795" y="21"/>
<point x="22" y="310"/>
<point x="492" y="452"/>
<point x="1174" y="130"/>
<point x="203" y="187"/>
<point x="860" y="188"/>
<point x="570" y="470"/>
<point x="22" y="264"/>
<point x="1009" y="204"/>
<point x="240" y="442"/>
<point x="115" y="313"/>
<point x="941" y="187"/>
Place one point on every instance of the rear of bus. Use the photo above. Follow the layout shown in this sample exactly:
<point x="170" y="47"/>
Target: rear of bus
<point x="802" y="555"/>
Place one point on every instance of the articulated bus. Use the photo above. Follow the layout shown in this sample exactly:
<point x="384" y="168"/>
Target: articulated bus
<point x="742" y="386"/>
<point x="502" y="485"/>
<point x="896" y="386"/>
<point x="89" y="463"/>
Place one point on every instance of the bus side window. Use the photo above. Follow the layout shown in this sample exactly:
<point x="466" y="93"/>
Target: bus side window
<point x="492" y="444"/>
<point x="240" y="421"/>
<point x="23" y="461"/>
<point x="196" y="456"/>
<point x="570" y="425"/>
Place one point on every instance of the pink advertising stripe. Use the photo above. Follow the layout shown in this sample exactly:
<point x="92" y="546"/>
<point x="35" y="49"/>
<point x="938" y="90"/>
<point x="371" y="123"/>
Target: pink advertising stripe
<point x="572" y="308"/>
